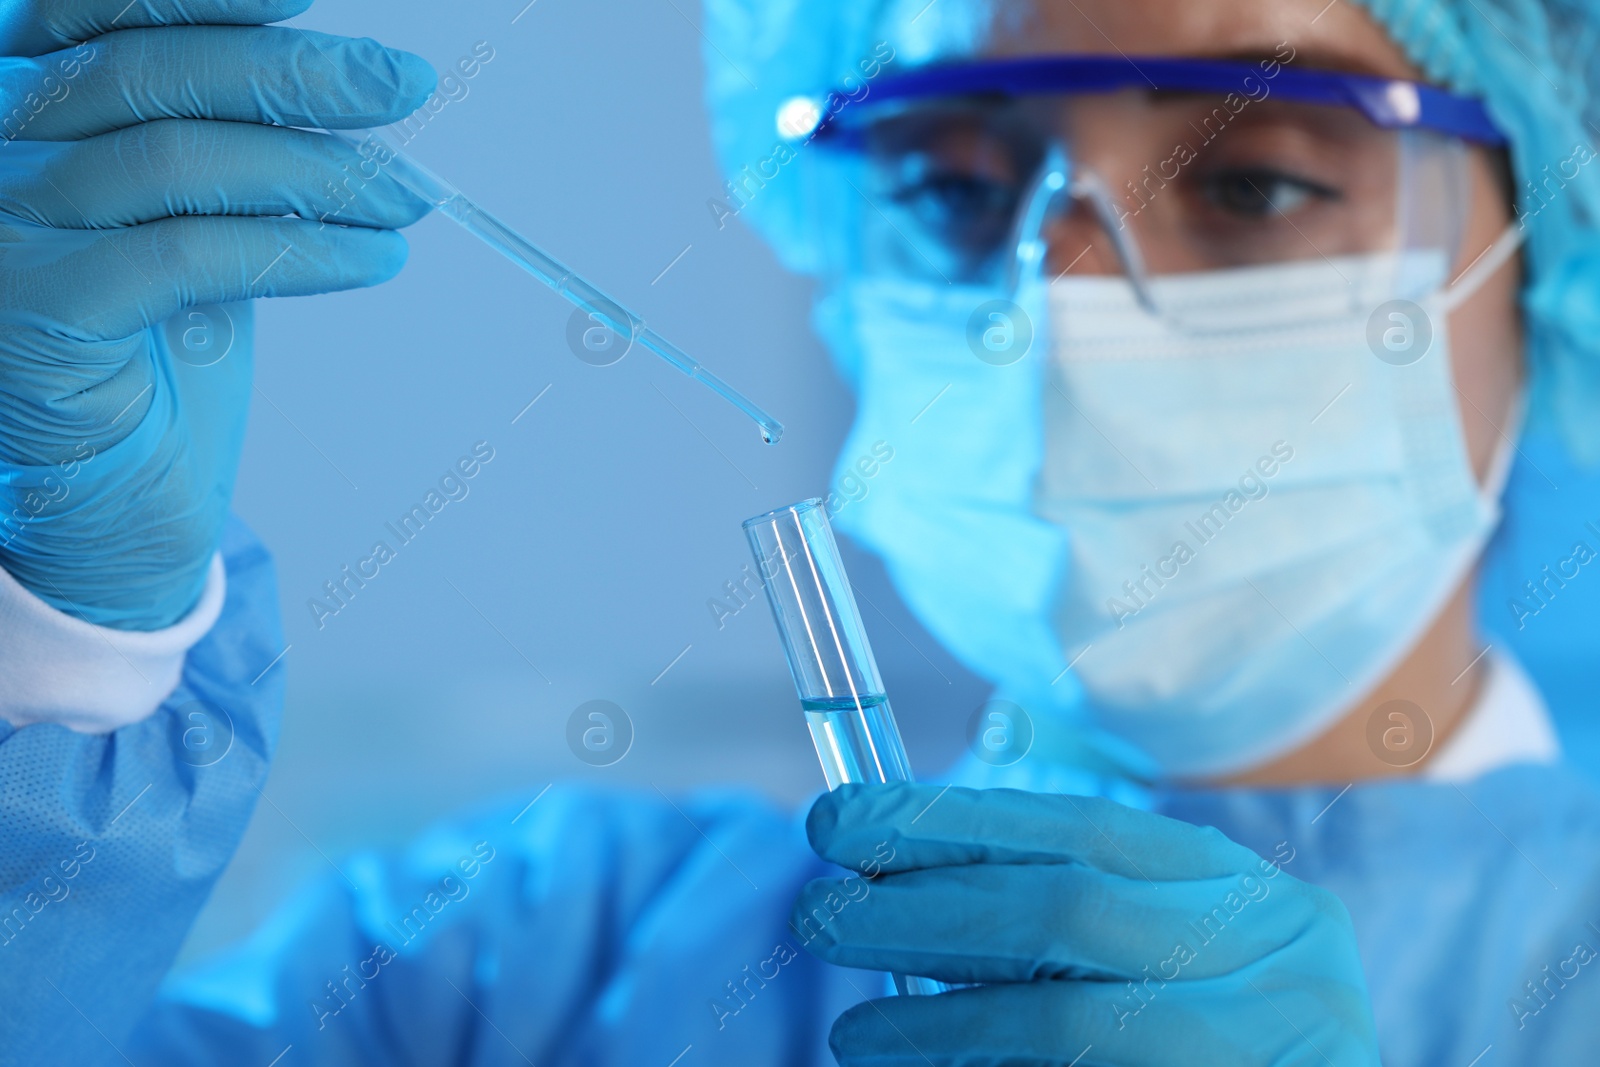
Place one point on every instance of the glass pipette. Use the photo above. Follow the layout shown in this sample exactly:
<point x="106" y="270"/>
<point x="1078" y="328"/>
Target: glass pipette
<point x="452" y="203"/>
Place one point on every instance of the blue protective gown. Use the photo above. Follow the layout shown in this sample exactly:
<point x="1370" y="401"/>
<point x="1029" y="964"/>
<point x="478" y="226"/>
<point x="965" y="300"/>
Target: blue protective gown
<point x="603" y="928"/>
<point x="607" y="930"/>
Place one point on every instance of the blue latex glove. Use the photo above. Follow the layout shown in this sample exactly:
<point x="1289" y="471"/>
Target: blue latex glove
<point x="140" y="183"/>
<point x="1104" y="935"/>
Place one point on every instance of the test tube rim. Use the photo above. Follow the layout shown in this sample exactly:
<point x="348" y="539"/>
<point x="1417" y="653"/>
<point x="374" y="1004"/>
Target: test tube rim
<point x="797" y="508"/>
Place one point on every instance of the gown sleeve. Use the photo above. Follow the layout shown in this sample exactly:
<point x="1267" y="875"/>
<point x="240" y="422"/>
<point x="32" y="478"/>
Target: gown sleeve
<point x="573" y="926"/>
<point x="111" y="838"/>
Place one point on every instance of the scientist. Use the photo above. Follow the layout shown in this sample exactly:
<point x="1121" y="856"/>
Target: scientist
<point x="1211" y="339"/>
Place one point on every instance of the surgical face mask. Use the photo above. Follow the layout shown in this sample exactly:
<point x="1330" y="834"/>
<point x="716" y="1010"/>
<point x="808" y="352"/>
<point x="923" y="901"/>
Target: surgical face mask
<point x="1264" y="516"/>
<point x="1230" y="532"/>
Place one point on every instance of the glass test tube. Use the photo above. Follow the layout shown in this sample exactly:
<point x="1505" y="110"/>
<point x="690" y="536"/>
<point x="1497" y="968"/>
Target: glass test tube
<point x="829" y="658"/>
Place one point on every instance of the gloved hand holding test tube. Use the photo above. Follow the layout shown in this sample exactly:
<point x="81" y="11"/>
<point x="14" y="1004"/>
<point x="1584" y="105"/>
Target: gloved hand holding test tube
<point x="829" y="657"/>
<point x="455" y="205"/>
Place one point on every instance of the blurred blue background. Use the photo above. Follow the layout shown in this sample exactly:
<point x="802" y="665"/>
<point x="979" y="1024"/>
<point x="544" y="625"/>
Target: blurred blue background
<point x="580" y="565"/>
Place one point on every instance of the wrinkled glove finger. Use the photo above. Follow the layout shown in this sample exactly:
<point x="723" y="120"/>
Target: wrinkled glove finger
<point x="177" y="167"/>
<point x="112" y="284"/>
<point x="1008" y="923"/>
<point x="918" y="826"/>
<point x="33" y="27"/>
<point x="264" y="74"/>
<point x="1106" y="1024"/>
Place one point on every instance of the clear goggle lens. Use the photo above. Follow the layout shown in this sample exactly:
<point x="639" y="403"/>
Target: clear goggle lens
<point x="977" y="190"/>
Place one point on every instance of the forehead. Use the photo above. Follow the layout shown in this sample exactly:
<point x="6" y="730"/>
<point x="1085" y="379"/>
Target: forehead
<point x="1339" y="35"/>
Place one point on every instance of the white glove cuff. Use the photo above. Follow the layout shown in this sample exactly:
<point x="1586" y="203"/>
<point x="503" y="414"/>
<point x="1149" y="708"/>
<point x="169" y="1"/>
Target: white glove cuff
<point x="93" y="679"/>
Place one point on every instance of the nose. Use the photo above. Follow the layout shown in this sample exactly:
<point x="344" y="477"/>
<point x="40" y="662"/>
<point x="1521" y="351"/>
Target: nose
<point x="1077" y="242"/>
<point x="1067" y="223"/>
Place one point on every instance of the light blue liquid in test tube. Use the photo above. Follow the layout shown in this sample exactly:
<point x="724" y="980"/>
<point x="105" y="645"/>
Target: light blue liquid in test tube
<point x="383" y="156"/>
<point x="826" y="645"/>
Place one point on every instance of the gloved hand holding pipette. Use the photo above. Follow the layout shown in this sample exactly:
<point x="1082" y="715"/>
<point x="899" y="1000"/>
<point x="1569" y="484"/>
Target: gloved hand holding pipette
<point x="118" y="453"/>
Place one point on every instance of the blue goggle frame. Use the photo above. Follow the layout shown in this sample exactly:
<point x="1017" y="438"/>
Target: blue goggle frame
<point x="1388" y="103"/>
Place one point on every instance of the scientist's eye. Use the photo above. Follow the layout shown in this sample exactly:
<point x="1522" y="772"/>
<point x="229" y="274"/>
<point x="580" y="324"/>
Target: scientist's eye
<point x="1261" y="192"/>
<point x="952" y="199"/>
<point x="963" y="210"/>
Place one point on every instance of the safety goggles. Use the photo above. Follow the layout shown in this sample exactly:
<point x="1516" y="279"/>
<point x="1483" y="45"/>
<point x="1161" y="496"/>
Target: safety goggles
<point x="985" y="172"/>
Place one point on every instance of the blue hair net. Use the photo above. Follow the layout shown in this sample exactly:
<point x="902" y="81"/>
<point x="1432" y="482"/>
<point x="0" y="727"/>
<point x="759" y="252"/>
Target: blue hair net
<point x="1535" y="62"/>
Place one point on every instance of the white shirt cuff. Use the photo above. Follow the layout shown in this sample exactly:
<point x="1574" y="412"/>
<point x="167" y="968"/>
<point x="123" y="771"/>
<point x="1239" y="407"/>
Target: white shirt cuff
<point x="93" y="679"/>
